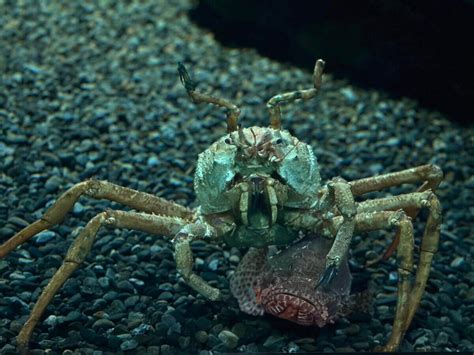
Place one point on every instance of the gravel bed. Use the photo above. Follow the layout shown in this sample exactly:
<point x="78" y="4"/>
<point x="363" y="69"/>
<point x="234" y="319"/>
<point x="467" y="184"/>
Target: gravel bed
<point x="91" y="91"/>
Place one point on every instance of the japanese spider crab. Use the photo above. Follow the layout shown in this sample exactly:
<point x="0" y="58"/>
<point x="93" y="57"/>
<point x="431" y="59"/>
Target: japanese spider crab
<point x="258" y="187"/>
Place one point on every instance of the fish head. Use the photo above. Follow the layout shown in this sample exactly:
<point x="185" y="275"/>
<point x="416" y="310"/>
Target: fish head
<point x="287" y="284"/>
<point x="284" y="284"/>
<point x="298" y="302"/>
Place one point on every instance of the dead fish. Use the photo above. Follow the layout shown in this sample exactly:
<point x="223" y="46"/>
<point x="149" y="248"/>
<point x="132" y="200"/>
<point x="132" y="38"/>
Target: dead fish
<point x="284" y="284"/>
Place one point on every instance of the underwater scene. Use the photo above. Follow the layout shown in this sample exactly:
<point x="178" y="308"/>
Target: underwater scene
<point x="164" y="193"/>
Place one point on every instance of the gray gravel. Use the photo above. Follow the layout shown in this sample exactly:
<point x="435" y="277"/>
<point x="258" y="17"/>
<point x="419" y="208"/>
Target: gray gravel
<point x="91" y="91"/>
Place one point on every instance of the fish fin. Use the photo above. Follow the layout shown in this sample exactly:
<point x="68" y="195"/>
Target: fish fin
<point x="245" y="280"/>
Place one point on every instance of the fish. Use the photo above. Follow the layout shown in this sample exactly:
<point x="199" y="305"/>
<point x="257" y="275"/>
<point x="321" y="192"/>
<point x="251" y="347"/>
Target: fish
<point x="283" y="284"/>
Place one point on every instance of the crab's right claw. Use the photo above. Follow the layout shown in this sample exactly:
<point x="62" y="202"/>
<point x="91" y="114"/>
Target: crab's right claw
<point x="328" y="275"/>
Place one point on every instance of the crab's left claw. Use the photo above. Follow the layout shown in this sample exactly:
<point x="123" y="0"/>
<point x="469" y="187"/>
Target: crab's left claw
<point x="328" y="275"/>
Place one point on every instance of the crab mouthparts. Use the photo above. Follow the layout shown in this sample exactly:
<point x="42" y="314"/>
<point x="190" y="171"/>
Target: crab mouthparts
<point x="262" y="210"/>
<point x="258" y="207"/>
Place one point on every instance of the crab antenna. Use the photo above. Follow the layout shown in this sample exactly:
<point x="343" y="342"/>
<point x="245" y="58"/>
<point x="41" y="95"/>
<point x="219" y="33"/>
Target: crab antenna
<point x="275" y="101"/>
<point x="233" y="111"/>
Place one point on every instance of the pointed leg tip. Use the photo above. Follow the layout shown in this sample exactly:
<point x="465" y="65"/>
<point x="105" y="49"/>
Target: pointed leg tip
<point x="385" y="348"/>
<point x="215" y="295"/>
<point x="327" y="276"/>
<point x="22" y="347"/>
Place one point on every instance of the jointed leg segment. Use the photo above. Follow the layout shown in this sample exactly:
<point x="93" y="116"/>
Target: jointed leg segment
<point x="368" y="219"/>
<point x="274" y="103"/>
<point x="341" y="196"/>
<point x="98" y="190"/>
<point x="399" y="210"/>
<point x="388" y="219"/>
<point x="233" y="112"/>
<point x="81" y="247"/>
<point x="429" y="247"/>
<point x="429" y="175"/>
<point x="185" y="261"/>
<point x="161" y="217"/>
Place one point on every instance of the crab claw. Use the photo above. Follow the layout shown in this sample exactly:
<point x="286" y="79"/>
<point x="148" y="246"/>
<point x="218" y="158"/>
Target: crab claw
<point x="327" y="276"/>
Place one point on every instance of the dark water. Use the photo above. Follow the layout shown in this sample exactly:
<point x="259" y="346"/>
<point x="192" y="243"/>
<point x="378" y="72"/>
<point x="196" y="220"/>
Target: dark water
<point x="399" y="47"/>
<point x="91" y="91"/>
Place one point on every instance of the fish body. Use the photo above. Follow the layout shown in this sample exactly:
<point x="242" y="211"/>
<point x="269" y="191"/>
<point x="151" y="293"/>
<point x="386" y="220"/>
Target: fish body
<point x="284" y="284"/>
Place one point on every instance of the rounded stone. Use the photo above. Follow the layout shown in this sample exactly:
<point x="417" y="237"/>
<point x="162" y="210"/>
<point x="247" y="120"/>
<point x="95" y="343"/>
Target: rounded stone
<point x="128" y="345"/>
<point x="201" y="336"/>
<point x="228" y="338"/>
<point x="103" y="324"/>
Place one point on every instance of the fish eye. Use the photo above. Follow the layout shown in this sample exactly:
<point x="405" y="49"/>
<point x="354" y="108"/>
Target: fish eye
<point x="228" y="141"/>
<point x="279" y="141"/>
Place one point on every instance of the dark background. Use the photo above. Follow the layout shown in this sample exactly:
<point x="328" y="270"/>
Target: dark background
<point x="418" y="49"/>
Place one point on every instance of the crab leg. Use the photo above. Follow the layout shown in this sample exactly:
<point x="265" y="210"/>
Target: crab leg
<point x="274" y="103"/>
<point x="430" y="174"/>
<point x="393" y="203"/>
<point x="340" y="193"/>
<point x="233" y="111"/>
<point x="81" y="247"/>
<point x="429" y="247"/>
<point x="387" y="219"/>
<point x="184" y="257"/>
<point x="98" y="190"/>
<point x="369" y="219"/>
<point x="430" y="238"/>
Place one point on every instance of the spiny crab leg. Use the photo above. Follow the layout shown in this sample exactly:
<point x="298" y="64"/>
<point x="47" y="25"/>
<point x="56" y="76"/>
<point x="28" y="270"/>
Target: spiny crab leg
<point x="428" y="248"/>
<point x="274" y="103"/>
<point x="81" y="247"/>
<point x="98" y="190"/>
<point x="429" y="242"/>
<point x="430" y="239"/>
<point x="406" y="201"/>
<point x="340" y="193"/>
<point x="398" y="219"/>
<point x="430" y="175"/>
<point x="233" y="111"/>
<point x="184" y="257"/>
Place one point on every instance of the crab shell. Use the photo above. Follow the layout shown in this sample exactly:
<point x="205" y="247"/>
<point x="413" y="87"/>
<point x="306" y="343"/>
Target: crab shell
<point x="260" y="154"/>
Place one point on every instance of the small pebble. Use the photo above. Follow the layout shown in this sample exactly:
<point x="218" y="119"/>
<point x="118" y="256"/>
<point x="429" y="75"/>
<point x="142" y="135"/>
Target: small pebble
<point x="153" y="161"/>
<point x="129" y="345"/>
<point x="44" y="237"/>
<point x="103" y="324"/>
<point x="141" y="329"/>
<point x="393" y="277"/>
<point x="52" y="321"/>
<point x="53" y="183"/>
<point x="125" y="286"/>
<point x="234" y="259"/>
<point x="228" y="338"/>
<point x="442" y="339"/>
<point x="201" y="336"/>
<point x="213" y="264"/>
<point x="458" y="262"/>
<point x="274" y="342"/>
